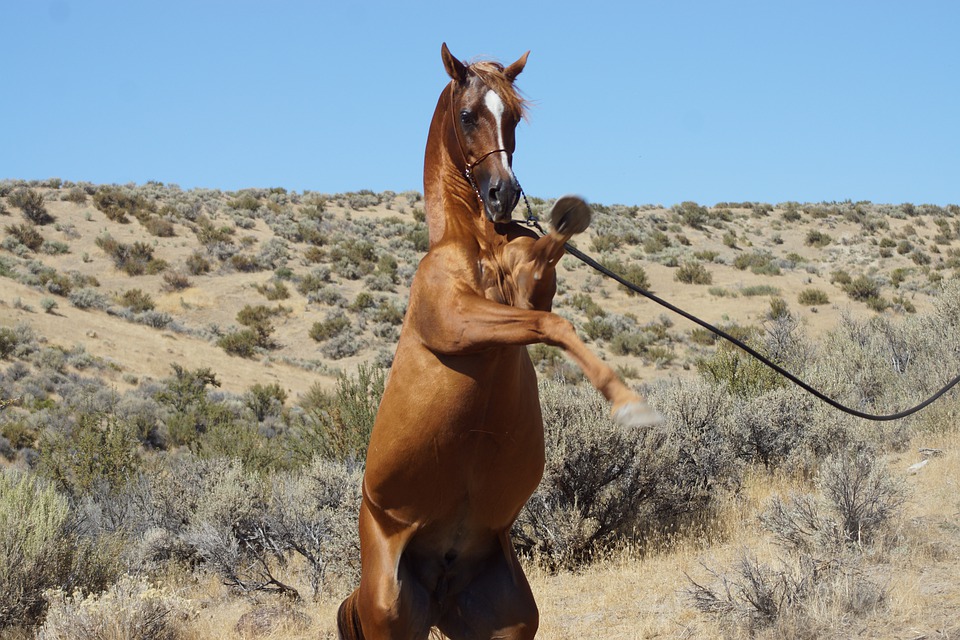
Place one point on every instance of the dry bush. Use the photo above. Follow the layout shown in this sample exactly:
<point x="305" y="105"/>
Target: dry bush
<point x="31" y="203"/>
<point x="27" y="235"/>
<point x="823" y="579"/>
<point x="604" y="484"/>
<point x="131" y="609"/>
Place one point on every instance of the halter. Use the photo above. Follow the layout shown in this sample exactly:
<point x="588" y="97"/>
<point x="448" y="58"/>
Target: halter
<point x="469" y="166"/>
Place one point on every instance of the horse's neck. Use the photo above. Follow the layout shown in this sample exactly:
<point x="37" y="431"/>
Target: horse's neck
<point x="450" y="202"/>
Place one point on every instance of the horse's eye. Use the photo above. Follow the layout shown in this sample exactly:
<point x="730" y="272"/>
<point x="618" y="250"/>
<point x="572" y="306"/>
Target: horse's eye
<point x="468" y="118"/>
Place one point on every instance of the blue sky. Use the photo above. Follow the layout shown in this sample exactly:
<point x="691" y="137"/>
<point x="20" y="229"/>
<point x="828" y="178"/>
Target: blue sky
<point x="635" y="102"/>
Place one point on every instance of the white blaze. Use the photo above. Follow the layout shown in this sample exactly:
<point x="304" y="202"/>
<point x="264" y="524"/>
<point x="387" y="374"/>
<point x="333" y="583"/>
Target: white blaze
<point x="495" y="105"/>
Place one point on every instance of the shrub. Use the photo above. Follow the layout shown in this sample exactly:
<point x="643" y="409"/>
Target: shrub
<point x="27" y="235"/>
<point x="197" y="264"/>
<point x="76" y="195"/>
<point x="49" y="305"/>
<point x="759" y="262"/>
<point x="136" y="300"/>
<point x="692" y="214"/>
<point x="693" y="273"/>
<point x="759" y="290"/>
<point x="862" y="288"/>
<point x="31" y="203"/>
<point x="817" y="238"/>
<point x="175" y="281"/>
<point x="631" y="272"/>
<point x="117" y="204"/>
<point x="809" y="297"/>
<point x="606" y="242"/>
<point x="35" y="545"/>
<point x="312" y="513"/>
<point x="742" y="374"/>
<point x="136" y="259"/>
<point x="88" y="298"/>
<point x="337" y="425"/>
<point x="353" y="258"/>
<point x="274" y="290"/>
<point x="243" y="343"/>
<point x="656" y="242"/>
<point x="332" y="326"/>
<point x="131" y="609"/>
<point x="160" y="227"/>
<point x="600" y="480"/>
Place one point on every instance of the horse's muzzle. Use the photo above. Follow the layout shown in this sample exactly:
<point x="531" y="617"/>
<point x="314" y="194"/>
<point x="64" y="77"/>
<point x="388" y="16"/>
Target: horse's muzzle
<point x="500" y="197"/>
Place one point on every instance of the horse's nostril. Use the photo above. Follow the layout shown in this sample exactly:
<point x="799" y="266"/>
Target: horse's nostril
<point x="494" y="194"/>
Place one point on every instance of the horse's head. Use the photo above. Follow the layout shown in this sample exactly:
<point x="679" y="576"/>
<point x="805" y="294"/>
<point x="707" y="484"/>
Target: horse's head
<point x="484" y="112"/>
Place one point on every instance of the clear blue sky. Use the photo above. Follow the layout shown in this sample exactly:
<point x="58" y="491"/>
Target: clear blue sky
<point x="635" y="102"/>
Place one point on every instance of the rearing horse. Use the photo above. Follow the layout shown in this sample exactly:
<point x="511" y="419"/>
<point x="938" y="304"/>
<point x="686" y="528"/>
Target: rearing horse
<point x="457" y="447"/>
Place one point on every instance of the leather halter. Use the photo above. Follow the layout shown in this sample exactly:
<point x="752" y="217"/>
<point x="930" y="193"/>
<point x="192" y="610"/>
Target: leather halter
<point x="468" y="166"/>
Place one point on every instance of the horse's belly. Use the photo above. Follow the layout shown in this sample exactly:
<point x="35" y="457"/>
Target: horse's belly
<point x="456" y="447"/>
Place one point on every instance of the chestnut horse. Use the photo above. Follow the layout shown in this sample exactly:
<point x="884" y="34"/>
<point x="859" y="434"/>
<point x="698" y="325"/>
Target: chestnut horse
<point x="457" y="447"/>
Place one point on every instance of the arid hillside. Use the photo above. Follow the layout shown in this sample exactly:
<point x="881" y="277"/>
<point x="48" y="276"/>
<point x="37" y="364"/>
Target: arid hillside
<point x="145" y="276"/>
<point x="188" y="380"/>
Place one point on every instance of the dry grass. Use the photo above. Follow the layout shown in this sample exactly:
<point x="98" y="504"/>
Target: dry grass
<point x="632" y="595"/>
<point x="632" y="592"/>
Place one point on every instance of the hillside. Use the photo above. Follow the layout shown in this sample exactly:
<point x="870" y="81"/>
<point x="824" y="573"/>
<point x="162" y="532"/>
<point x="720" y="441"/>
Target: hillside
<point x="188" y="380"/>
<point x="346" y="261"/>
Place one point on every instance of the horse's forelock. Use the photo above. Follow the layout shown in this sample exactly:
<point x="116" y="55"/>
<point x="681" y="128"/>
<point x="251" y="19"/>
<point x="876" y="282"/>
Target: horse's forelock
<point x="492" y="75"/>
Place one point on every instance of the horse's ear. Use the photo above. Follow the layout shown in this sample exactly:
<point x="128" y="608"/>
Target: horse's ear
<point x="454" y="67"/>
<point x="514" y="70"/>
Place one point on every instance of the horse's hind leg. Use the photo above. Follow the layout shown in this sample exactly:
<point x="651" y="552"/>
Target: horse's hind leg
<point x="348" y="619"/>
<point x="390" y="603"/>
<point x="497" y="604"/>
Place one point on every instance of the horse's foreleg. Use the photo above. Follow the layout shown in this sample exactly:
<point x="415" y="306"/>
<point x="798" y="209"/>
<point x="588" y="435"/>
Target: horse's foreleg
<point x="473" y="324"/>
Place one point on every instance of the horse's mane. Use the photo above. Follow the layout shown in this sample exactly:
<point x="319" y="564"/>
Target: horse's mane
<point x="491" y="73"/>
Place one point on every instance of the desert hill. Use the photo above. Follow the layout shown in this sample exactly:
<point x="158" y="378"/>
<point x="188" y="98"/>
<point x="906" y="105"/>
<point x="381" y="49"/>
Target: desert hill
<point x="137" y="495"/>
<point x="190" y="261"/>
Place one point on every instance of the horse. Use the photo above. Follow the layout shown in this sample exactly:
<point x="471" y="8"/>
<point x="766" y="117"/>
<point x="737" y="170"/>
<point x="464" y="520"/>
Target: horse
<point x="457" y="446"/>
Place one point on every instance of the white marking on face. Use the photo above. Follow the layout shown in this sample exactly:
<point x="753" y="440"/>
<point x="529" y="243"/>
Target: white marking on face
<point x="495" y="105"/>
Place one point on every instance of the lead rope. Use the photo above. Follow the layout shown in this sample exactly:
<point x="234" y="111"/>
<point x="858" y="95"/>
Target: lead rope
<point x="533" y="222"/>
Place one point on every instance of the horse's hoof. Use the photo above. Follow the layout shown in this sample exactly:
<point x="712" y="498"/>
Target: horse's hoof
<point x="637" y="414"/>
<point x="570" y="215"/>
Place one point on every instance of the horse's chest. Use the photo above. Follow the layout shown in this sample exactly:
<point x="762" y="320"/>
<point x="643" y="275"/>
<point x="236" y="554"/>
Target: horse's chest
<point x="496" y="283"/>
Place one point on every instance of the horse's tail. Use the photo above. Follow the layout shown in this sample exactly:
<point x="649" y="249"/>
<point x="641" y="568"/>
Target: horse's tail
<point x="348" y="619"/>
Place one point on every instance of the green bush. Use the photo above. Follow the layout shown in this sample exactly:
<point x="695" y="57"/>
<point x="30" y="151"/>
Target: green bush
<point x="98" y="450"/>
<point x="817" y="239"/>
<point x="693" y="273"/>
<point x="135" y="260"/>
<point x="759" y="262"/>
<point x="36" y="534"/>
<point x="810" y="297"/>
<point x="862" y="288"/>
<point x="332" y="326"/>
<point x="656" y="242"/>
<point x="631" y="272"/>
<point x="243" y="343"/>
<point x="136" y="300"/>
<point x="197" y="264"/>
<point x="337" y="424"/>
